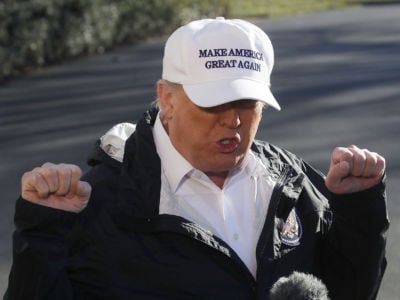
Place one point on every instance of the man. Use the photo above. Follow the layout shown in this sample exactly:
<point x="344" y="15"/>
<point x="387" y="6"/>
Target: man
<point x="187" y="204"/>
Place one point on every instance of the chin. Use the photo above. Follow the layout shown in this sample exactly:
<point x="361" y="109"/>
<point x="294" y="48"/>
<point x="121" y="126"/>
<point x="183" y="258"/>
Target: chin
<point x="229" y="165"/>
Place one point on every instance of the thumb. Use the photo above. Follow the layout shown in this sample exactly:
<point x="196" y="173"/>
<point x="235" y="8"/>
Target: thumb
<point x="337" y="173"/>
<point x="341" y="169"/>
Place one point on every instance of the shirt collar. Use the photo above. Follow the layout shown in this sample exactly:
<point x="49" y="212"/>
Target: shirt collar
<point x="175" y="166"/>
<point x="254" y="166"/>
<point x="251" y="167"/>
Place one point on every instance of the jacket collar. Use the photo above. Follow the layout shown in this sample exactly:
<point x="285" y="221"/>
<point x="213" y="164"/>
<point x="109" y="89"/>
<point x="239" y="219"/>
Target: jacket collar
<point x="140" y="181"/>
<point x="284" y="172"/>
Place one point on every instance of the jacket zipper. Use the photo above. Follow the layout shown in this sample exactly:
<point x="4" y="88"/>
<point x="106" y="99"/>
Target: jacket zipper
<point x="270" y="219"/>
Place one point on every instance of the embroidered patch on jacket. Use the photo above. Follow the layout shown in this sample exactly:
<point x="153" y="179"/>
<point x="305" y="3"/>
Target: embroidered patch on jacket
<point x="291" y="231"/>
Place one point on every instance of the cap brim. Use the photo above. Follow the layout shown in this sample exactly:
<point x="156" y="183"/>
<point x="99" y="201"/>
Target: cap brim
<point x="215" y="93"/>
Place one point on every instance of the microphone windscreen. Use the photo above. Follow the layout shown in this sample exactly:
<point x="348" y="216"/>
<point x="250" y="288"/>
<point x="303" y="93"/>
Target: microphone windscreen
<point x="299" y="286"/>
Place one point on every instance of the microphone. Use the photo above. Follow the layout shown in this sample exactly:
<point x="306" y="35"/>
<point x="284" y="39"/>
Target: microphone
<point x="299" y="286"/>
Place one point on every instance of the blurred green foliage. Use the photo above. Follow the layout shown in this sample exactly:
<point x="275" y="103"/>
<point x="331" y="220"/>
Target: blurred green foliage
<point x="34" y="33"/>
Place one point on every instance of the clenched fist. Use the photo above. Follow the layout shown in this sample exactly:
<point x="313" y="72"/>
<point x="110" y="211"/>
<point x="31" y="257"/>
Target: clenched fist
<point x="56" y="186"/>
<point x="353" y="170"/>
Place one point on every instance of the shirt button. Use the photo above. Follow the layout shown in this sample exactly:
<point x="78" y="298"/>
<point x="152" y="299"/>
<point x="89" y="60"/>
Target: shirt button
<point x="236" y="236"/>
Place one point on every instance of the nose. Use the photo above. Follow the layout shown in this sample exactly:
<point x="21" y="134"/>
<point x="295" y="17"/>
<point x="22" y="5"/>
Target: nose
<point x="230" y="116"/>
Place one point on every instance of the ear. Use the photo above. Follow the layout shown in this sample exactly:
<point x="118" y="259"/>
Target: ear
<point x="164" y="93"/>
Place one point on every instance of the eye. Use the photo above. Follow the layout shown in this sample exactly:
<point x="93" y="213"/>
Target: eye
<point x="238" y="104"/>
<point x="245" y="104"/>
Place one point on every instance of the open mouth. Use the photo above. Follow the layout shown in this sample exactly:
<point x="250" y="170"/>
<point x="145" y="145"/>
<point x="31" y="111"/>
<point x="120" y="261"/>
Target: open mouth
<point x="227" y="145"/>
<point x="225" y="141"/>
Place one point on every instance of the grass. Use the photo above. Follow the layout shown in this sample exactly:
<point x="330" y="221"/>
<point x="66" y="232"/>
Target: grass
<point x="278" y="8"/>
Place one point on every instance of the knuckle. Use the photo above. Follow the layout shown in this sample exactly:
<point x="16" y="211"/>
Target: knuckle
<point x="338" y="149"/>
<point x="380" y="157"/>
<point x="381" y="161"/>
<point x="48" y="171"/>
<point x="338" y="152"/>
<point x="373" y="156"/>
<point x="360" y="157"/>
<point x="63" y="173"/>
<point x="27" y="176"/>
<point x="34" y="178"/>
<point x="75" y="170"/>
<point x="373" y="160"/>
<point x="48" y="165"/>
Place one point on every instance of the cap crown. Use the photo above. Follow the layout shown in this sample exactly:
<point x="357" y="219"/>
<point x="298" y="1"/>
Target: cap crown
<point x="231" y="58"/>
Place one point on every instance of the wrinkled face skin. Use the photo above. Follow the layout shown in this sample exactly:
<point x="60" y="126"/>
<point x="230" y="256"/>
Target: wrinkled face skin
<point x="214" y="140"/>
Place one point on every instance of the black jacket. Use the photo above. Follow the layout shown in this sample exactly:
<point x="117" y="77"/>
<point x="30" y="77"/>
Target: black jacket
<point x="119" y="247"/>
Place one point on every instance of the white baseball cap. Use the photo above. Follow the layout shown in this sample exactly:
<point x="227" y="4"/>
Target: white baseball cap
<point x="219" y="61"/>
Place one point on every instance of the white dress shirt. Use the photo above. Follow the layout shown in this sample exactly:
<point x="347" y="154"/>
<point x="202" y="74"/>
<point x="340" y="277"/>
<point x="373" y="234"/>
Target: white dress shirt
<point x="235" y="213"/>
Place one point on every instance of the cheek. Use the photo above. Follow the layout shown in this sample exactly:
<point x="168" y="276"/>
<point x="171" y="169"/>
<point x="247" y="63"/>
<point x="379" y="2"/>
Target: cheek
<point x="254" y="128"/>
<point x="201" y="136"/>
<point x="199" y="125"/>
<point x="192" y="132"/>
<point x="252" y="122"/>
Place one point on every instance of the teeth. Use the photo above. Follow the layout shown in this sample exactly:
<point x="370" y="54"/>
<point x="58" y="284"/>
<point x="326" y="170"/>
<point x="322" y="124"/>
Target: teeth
<point x="225" y="141"/>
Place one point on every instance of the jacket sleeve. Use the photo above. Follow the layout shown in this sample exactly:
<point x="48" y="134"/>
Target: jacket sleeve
<point x="354" y="255"/>
<point x="40" y="253"/>
<point x="43" y="235"/>
<point x="352" y="260"/>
